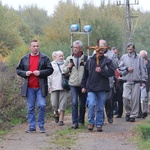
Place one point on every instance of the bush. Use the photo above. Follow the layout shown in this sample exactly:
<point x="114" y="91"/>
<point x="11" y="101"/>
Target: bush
<point x="11" y="104"/>
<point x="17" y="54"/>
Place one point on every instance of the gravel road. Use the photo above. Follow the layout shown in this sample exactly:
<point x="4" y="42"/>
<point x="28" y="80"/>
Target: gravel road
<point x="116" y="136"/>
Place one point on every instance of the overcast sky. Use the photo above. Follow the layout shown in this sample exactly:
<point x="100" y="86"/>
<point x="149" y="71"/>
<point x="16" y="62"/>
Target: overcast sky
<point x="49" y="5"/>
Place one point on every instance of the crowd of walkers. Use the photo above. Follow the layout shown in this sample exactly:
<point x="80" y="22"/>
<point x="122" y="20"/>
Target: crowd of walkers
<point x="104" y="84"/>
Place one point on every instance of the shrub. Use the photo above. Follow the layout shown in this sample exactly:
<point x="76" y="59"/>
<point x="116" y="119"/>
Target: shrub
<point x="11" y="104"/>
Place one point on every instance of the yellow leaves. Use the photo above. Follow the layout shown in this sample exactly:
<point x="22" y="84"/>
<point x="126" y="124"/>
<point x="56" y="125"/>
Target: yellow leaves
<point x="4" y="51"/>
<point x="64" y="16"/>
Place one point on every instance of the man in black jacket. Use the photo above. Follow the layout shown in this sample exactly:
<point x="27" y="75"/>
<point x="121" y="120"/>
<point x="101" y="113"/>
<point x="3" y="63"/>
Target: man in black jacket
<point x="34" y="68"/>
<point x="96" y="83"/>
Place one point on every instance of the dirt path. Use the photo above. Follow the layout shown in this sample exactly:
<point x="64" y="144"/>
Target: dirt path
<point x="115" y="137"/>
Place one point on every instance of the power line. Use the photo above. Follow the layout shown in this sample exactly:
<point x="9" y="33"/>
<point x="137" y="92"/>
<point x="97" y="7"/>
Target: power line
<point x="127" y="22"/>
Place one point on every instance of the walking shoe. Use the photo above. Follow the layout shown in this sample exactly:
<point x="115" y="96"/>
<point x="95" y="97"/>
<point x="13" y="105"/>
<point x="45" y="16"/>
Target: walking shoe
<point x="90" y="127"/>
<point x="75" y="126"/>
<point x="56" y="119"/>
<point x="144" y="115"/>
<point x="110" y="120"/>
<point x="127" y="117"/>
<point x="139" y="115"/>
<point x="118" y="116"/>
<point x="42" y="129"/>
<point x="132" y="119"/>
<point x="99" y="129"/>
<point x="61" y="123"/>
<point x="30" y="130"/>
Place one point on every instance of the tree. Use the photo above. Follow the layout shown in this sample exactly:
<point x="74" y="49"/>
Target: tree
<point x="105" y="22"/>
<point x="9" y="34"/>
<point x="34" y="17"/>
<point x="66" y="13"/>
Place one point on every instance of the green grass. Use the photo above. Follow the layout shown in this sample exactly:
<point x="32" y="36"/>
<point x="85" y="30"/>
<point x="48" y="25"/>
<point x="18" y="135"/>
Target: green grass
<point x="142" y="135"/>
<point x="6" y="126"/>
<point x="68" y="110"/>
<point x="67" y="137"/>
<point x="16" y="121"/>
<point x="3" y="132"/>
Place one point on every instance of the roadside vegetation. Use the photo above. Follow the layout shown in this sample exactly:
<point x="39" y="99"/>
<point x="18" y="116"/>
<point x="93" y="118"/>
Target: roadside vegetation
<point x="67" y="137"/>
<point x="17" y="28"/>
<point x="142" y="135"/>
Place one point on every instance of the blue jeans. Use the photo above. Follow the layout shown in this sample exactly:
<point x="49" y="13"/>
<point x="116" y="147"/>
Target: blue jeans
<point x="96" y="103"/>
<point x="78" y="98"/>
<point x="34" y="94"/>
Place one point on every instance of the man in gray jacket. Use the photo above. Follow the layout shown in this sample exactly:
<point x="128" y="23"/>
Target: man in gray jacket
<point x="133" y="71"/>
<point x="75" y="66"/>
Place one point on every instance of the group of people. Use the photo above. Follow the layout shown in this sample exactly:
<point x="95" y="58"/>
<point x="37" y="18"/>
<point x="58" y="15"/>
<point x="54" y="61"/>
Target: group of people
<point x="102" y="83"/>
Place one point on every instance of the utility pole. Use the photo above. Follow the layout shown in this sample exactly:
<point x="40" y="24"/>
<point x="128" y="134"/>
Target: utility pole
<point x="127" y="22"/>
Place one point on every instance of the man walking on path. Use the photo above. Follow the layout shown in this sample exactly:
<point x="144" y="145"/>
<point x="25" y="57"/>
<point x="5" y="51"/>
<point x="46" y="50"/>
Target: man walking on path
<point x="145" y="99"/>
<point x="35" y="67"/>
<point x="109" y="99"/>
<point x="75" y="66"/>
<point x="133" y="72"/>
<point x="96" y="83"/>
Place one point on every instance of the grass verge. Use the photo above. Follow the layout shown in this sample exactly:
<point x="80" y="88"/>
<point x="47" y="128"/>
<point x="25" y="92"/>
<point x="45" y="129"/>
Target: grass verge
<point x="142" y="135"/>
<point x="67" y="137"/>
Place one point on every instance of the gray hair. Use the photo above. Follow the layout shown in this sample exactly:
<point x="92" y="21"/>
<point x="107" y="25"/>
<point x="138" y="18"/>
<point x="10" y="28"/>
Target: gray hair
<point x="59" y="52"/>
<point x="78" y="42"/>
<point x="54" y="53"/>
<point x="144" y="51"/>
<point x="102" y="42"/>
<point x="113" y="48"/>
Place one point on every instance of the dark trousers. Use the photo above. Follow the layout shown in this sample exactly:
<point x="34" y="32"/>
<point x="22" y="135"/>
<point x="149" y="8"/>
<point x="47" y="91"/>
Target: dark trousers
<point x="78" y="105"/>
<point x="109" y="103"/>
<point x="118" y="98"/>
